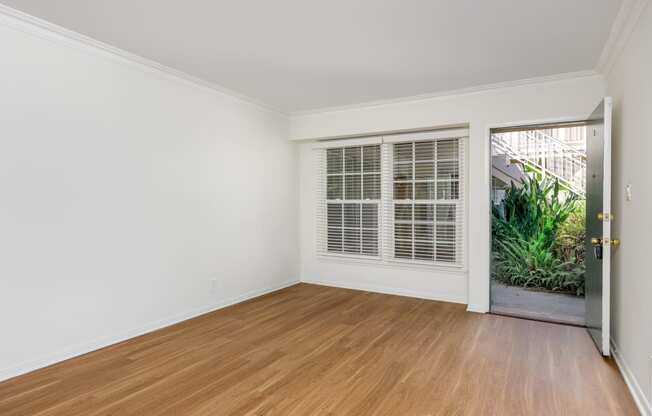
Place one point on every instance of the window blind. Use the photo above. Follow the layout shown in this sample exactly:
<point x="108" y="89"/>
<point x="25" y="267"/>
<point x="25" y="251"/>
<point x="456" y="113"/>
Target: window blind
<point x="424" y="212"/>
<point x="400" y="201"/>
<point x="349" y="201"/>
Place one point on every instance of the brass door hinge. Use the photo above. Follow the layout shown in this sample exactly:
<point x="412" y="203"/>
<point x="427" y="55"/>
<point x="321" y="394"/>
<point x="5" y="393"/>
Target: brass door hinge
<point x="605" y="216"/>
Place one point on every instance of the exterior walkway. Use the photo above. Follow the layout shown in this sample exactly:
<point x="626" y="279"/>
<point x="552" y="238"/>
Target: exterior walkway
<point x="534" y="304"/>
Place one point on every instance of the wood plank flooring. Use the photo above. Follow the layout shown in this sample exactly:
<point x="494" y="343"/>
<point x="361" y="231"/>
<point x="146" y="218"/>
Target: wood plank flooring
<point x="313" y="350"/>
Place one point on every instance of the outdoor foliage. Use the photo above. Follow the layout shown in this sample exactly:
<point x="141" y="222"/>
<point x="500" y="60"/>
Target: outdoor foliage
<point x="571" y="235"/>
<point x="525" y="229"/>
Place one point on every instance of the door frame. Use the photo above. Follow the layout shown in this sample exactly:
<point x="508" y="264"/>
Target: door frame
<point x="515" y="124"/>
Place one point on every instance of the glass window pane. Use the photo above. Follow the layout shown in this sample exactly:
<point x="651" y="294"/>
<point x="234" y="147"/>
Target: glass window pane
<point x="352" y="186"/>
<point x="403" y="231"/>
<point x="445" y="252"/>
<point x="352" y="215"/>
<point x="446" y="233"/>
<point x="369" y="215"/>
<point x="424" y="150"/>
<point x="334" y="160"/>
<point x="352" y="159"/>
<point x="423" y="232"/>
<point x="403" y="152"/>
<point x="447" y="149"/>
<point x="424" y="250"/>
<point x="335" y="188"/>
<point x="403" y="212"/>
<point x="351" y="240"/>
<point x="448" y="170"/>
<point x="448" y="190"/>
<point x="424" y="170"/>
<point x="370" y="242"/>
<point x="446" y="212"/>
<point x="334" y="239"/>
<point x="403" y="171"/>
<point x="424" y="190"/>
<point x="371" y="159"/>
<point x="402" y="190"/>
<point x="371" y="186"/>
<point x="334" y="215"/>
<point x="423" y="212"/>
<point x="403" y="249"/>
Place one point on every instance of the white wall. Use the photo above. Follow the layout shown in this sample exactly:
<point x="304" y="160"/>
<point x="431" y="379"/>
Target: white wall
<point x="548" y="101"/>
<point x="629" y="84"/>
<point x="124" y="192"/>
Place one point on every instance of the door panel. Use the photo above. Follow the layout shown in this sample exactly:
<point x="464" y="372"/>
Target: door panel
<point x="598" y="230"/>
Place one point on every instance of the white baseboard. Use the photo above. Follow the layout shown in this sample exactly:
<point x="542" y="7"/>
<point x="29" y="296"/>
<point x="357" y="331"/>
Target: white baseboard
<point x="389" y="290"/>
<point x="637" y="392"/>
<point x="477" y="308"/>
<point x="76" y="350"/>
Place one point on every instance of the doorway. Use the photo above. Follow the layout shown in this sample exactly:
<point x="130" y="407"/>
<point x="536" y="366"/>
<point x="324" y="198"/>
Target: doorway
<point x="538" y="199"/>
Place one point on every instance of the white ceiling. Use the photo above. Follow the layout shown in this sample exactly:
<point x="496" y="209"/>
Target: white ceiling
<point x="299" y="55"/>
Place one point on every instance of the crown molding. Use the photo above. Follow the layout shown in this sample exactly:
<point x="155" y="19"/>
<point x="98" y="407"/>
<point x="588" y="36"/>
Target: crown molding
<point x="621" y="30"/>
<point x="32" y="25"/>
<point x="448" y="93"/>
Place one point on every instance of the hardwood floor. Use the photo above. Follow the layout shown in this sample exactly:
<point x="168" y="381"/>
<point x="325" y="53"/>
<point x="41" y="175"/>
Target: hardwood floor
<point x="311" y="350"/>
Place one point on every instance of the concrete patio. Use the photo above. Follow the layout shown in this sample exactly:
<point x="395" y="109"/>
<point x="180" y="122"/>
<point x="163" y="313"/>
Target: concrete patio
<point x="536" y="304"/>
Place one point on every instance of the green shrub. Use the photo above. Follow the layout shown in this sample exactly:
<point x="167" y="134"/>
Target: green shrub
<point x="529" y="264"/>
<point x="524" y="228"/>
<point x="569" y="243"/>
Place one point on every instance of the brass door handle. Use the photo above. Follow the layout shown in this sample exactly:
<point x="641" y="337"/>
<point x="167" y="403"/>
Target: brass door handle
<point x="596" y="241"/>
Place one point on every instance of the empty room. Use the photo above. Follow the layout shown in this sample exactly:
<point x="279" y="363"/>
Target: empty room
<point x="372" y="207"/>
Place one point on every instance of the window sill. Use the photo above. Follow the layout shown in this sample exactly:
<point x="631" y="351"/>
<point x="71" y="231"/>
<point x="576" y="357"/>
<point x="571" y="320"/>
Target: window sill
<point x="392" y="264"/>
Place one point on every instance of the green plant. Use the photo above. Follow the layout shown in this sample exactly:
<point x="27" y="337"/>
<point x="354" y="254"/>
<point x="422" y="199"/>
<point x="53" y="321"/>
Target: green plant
<point x="525" y="227"/>
<point x="529" y="264"/>
<point x="569" y="243"/>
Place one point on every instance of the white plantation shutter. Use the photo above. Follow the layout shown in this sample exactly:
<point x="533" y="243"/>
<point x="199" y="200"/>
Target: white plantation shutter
<point x="402" y="201"/>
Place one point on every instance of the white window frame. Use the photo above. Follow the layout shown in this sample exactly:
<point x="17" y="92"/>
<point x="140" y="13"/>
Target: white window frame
<point x="360" y="202"/>
<point x="386" y="203"/>
<point x="323" y="202"/>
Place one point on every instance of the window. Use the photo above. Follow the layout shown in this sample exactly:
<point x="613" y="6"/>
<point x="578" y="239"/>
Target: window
<point x="426" y="193"/>
<point x="353" y="199"/>
<point x="395" y="199"/>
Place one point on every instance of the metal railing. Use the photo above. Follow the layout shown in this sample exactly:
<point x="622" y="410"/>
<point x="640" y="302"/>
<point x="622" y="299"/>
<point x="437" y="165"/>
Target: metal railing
<point x="545" y="154"/>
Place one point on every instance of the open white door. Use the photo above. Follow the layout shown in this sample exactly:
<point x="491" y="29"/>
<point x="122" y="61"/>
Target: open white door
<point x="598" y="225"/>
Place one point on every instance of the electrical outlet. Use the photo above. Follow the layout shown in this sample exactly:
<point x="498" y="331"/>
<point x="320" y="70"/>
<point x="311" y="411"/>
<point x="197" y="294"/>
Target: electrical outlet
<point x="628" y="192"/>
<point x="213" y="283"/>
